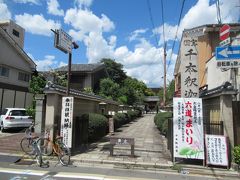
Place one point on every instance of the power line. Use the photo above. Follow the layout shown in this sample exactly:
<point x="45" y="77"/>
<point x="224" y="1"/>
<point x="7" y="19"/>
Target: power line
<point x="175" y="38"/>
<point x="163" y="22"/>
<point x="152" y="22"/>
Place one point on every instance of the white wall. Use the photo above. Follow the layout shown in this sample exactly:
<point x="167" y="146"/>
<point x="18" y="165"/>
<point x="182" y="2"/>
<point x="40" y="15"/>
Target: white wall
<point x="215" y="76"/>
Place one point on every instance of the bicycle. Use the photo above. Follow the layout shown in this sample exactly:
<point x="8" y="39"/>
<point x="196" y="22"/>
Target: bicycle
<point x="56" y="146"/>
<point x="29" y="145"/>
<point x="26" y="142"/>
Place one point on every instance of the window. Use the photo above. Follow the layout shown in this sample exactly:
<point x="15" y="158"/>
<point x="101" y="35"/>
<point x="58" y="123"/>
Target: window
<point x="23" y="77"/>
<point x="15" y="33"/>
<point x="4" y="112"/>
<point x="4" y="71"/>
<point x="17" y="113"/>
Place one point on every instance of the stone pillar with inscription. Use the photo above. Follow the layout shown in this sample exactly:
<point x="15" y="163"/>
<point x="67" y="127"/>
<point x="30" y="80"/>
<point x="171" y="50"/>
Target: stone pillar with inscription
<point x="189" y="68"/>
<point x="40" y="113"/>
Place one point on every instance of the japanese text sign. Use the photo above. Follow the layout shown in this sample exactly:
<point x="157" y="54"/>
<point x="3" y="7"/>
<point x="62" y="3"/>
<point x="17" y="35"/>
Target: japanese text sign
<point x="63" y="41"/>
<point x="188" y="128"/>
<point x="189" y="68"/>
<point x="216" y="150"/>
<point x="66" y="120"/>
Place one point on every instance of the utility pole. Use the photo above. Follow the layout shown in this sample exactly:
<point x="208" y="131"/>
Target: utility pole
<point x="69" y="73"/>
<point x="164" y="76"/>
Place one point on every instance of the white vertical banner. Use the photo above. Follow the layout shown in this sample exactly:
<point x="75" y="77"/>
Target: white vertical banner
<point x="188" y="135"/>
<point x="216" y="150"/>
<point x="66" y="120"/>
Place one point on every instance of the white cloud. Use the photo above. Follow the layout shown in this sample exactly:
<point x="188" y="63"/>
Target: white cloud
<point x="62" y="64"/>
<point x="37" y="24"/>
<point x="144" y="59"/>
<point x="83" y="3"/>
<point x="170" y="32"/>
<point x="202" y="13"/>
<point x="27" y="1"/>
<point x="53" y="8"/>
<point x="86" y="21"/>
<point x="135" y="35"/>
<point x="77" y="35"/>
<point x="98" y="47"/>
<point x="112" y="41"/>
<point x="48" y="63"/>
<point x="5" y="14"/>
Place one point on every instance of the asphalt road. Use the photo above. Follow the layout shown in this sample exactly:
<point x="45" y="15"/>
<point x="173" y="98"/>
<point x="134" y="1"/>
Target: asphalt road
<point x="58" y="172"/>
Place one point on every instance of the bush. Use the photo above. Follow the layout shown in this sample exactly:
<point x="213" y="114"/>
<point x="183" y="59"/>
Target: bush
<point x="119" y="120"/>
<point x="161" y="121"/>
<point x="132" y="115"/>
<point x="97" y="128"/>
<point x="31" y="112"/>
<point x="236" y="154"/>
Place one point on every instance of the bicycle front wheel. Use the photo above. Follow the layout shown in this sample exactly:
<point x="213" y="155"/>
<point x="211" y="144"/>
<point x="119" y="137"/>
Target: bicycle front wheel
<point x="26" y="145"/>
<point x="63" y="154"/>
<point x="45" y="146"/>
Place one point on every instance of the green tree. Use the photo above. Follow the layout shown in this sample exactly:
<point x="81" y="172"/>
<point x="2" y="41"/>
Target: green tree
<point x="133" y="90"/>
<point x="114" y="70"/>
<point x="37" y="84"/>
<point x="169" y="92"/>
<point x="88" y="90"/>
<point x="148" y="92"/>
<point x="109" y="89"/>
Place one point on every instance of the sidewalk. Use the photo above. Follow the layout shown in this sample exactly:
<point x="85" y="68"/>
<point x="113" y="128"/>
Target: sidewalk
<point x="150" y="147"/>
<point x="150" y="151"/>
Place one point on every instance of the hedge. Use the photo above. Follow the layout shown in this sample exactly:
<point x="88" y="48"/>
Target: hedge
<point x="98" y="126"/>
<point x="119" y="120"/>
<point x="161" y="121"/>
<point x="236" y="154"/>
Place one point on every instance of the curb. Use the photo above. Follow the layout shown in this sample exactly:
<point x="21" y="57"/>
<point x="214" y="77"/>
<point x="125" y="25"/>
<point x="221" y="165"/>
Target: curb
<point x="183" y="169"/>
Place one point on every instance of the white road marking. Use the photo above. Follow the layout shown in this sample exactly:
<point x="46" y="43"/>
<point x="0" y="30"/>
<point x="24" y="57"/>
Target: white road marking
<point x="20" y="171"/>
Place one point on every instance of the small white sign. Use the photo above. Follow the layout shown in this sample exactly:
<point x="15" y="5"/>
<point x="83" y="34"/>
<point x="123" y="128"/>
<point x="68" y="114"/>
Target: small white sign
<point x="228" y="64"/>
<point x="225" y="42"/>
<point x="216" y="150"/>
<point x="67" y="120"/>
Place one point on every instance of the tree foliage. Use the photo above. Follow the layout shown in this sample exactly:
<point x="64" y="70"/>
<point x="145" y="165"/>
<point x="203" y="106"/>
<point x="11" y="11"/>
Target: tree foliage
<point x="169" y="92"/>
<point x="114" y="70"/>
<point x="120" y="87"/>
<point x="109" y="89"/>
<point x="37" y="84"/>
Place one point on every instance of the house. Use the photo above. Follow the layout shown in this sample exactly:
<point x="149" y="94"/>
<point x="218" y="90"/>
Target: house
<point x="197" y="75"/>
<point x="85" y="75"/>
<point x="207" y="39"/>
<point x="220" y="80"/>
<point x="16" y="67"/>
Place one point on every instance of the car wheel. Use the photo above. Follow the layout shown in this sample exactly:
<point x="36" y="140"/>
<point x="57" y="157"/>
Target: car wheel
<point x="2" y="128"/>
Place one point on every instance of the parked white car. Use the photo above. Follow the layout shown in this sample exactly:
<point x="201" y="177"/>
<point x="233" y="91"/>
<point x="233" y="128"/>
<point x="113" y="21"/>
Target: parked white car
<point x="14" y="118"/>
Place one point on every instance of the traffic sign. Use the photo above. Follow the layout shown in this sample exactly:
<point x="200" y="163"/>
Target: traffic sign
<point x="227" y="53"/>
<point x="224" y="32"/>
<point x="225" y="42"/>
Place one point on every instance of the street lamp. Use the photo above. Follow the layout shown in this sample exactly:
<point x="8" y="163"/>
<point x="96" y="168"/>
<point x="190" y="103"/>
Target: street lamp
<point x="102" y="107"/>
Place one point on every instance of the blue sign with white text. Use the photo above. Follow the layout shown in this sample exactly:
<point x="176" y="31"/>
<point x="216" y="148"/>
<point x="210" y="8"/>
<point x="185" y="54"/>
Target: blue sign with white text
<point x="227" y="53"/>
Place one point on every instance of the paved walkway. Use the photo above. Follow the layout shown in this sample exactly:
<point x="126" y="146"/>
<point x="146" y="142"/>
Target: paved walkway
<point x="150" y="146"/>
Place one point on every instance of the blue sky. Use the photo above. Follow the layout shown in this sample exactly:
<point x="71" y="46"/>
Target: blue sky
<point x="116" y="29"/>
